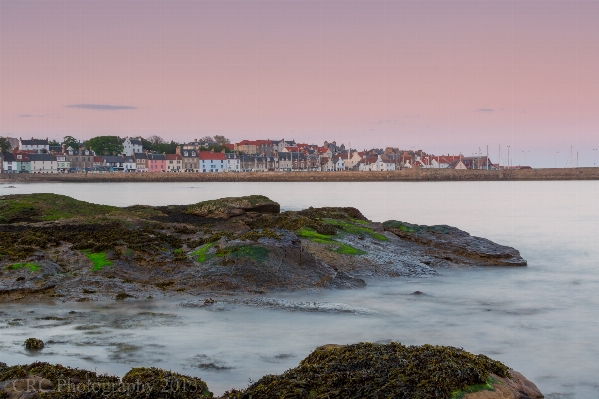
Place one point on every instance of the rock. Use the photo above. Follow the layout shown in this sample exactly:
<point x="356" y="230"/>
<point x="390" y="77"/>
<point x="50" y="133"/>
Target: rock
<point x="234" y="206"/>
<point x="516" y="386"/>
<point x="454" y="245"/>
<point x="34" y="343"/>
<point x="25" y="388"/>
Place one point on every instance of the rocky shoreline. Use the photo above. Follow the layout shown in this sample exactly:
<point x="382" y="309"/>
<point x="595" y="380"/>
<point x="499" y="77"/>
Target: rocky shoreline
<point x="55" y="247"/>
<point x="357" y="371"/>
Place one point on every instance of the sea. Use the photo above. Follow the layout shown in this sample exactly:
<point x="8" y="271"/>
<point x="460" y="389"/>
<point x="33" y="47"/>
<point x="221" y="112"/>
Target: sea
<point x="541" y="320"/>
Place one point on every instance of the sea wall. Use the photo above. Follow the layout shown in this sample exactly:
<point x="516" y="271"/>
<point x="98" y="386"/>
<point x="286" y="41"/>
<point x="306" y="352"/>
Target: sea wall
<point x="399" y="175"/>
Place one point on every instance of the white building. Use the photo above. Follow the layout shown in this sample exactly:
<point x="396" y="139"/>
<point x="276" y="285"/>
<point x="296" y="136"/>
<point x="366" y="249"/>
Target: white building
<point x="233" y="163"/>
<point x="43" y="163"/>
<point x="36" y="145"/>
<point x="62" y="164"/>
<point x="129" y="163"/>
<point x="132" y="146"/>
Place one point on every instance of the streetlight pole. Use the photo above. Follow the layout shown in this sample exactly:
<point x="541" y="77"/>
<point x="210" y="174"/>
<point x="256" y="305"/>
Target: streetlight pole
<point x="595" y="163"/>
<point x="508" y="156"/>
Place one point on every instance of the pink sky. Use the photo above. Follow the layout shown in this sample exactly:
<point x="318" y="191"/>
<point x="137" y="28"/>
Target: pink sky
<point x="441" y="76"/>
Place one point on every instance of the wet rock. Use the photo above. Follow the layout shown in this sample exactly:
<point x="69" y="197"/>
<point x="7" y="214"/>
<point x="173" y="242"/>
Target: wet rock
<point x="454" y="245"/>
<point x="25" y="388"/>
<point x="34" y="343"/>
<point x="516" y="386"/>
<point x="417" y="293"/>
<point x="234" y="206"/>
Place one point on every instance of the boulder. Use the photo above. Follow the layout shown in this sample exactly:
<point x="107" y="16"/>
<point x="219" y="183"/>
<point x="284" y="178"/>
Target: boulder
<point x="225" y="208"/>
<point x="516" y="386"/>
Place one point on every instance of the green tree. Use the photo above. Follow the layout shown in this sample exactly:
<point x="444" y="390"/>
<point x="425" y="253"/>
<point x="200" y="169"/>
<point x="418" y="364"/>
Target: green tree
<point x="157" y="144"/>
<point x="105" y="145"/>
<point x="53" y="143"/>
<point x="71" y="141"/>
<point x="222" y="140"/>
<point x="4" y="144"/>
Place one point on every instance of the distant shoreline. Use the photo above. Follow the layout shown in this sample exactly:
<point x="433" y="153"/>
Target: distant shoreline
<point x="407" y="175"/>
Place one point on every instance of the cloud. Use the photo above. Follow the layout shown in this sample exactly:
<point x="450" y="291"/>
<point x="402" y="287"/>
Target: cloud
<point x="485" y="110"/>
<point x="100" y="107"/>
<point x="25" y="116"/>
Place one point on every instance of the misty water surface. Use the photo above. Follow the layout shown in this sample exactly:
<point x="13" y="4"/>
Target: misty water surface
<point x="540" y="320"/>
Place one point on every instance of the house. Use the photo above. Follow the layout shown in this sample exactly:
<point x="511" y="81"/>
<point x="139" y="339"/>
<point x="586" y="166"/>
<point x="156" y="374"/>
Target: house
<point x="23" y="162"/>
<point x="114" y="162"/>
<point x="191" y="162"/>
<point x="458" y="165"/>
<point x="43" y="163"/>
<point x="80" y="159"/>
<point x="353" y="159"/>
<point x="210" y="161"/>
<point x="8" y="163"/>
<point x="141" y="161"/>
<point x="264" y="163"/>
<point x="174" y="162"/>
<point x="132" y="145"/>
<point x="326" y="164"/>
<point x="255" y="147"/>
<point x="233" y="163"/>
<point x="62" y="164"/>
<point x="38" y="146"/>
<point x="156" y="162"/>
<point x="339" y="164"/>
<point x="289" y="161"/>
<point x="280" y="145"/>
<point x="129" y="164"/>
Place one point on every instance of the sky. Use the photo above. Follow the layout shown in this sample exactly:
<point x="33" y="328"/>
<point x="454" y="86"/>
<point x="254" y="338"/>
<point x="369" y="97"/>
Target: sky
<point x="441" y="76"/>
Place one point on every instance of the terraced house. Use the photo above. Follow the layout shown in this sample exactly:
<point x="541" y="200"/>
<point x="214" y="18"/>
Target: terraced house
<point x="191" y="162"/>
<point x="38" y="146"/>
<point x="141" y="161"/>
<point x="174" y="163"/>
<point x="210" y="161"/>
<point x="156" y="162"/>
<point x="43" y="163"/>
<point x="80" y="159"/>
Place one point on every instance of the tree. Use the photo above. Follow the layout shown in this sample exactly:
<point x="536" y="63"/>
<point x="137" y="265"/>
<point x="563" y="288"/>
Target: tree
<point x="70" y="141"/>
<point x="222" y="140"/>
<point x="53" y="143"/>
<point x="155" y="140"/>
<point x="4" y="144"/>
<point x="105" y="145"/>
<point x="207" y="139"/>
<point x="157" y="144"/>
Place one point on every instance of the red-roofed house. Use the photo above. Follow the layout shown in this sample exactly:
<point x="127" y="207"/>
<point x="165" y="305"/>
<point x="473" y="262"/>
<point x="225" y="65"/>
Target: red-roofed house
<point x="174" y="163"/>
<point x="212" y="161"/>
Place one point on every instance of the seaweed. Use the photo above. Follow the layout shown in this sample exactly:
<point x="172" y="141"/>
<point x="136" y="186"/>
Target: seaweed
<point x="352" y="228"/>
<point x="257" y="253"/>
<point x="340" y="248"/>
<point x="32" y="267"/>
<point x="98" y="259"/>
<point x="34" y="343"/>
<point x="368" y="370"/>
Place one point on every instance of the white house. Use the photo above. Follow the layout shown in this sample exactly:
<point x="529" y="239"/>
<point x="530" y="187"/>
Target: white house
<point x="339" y="163"/>
<point x="9" y="163"/>
<point x="211" y="161"/>
<point x="43" y="163"/>
<point x="129" y="163"/>
<point x="62" y="164"/>
<point x="132" y="145"/>
<point x="233" y="163"/>
<point x="36" y="145"/>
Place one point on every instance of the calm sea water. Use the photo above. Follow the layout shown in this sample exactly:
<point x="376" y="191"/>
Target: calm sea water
<point x="541" y="320"/>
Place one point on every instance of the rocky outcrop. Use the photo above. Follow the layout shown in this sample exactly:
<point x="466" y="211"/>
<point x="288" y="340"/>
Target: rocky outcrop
<point x="450" y="243"/>
<point x="57" y="247"/>
<point x="234" y="206"/>
<point x="359" y="371"/>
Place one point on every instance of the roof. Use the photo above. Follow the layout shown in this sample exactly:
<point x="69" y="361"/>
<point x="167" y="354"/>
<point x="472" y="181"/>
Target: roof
<point x="254" y="142"/>
<point x="9" y="157"/>
<point x="140" y="155"/>
<point x="156" y="157"/>
<point x="55" y="148"/>
<point x="135" y="141"/>
<point x="231" y="155"/>
<point x="209" y="155"/>
<point x="112" y="158"/>
<point x="34" y="142"/>
<point x="230" y="146"/>
<point x="173" y="157"/>
<point x="42" y="157"/>
<point x="129" y="159"/>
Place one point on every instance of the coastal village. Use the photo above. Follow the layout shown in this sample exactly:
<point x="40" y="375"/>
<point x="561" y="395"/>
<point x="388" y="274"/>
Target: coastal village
<point x="207" y="156"/>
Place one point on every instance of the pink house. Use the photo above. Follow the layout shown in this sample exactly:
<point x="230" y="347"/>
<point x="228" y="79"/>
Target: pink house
<point x="156" y="163"/>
